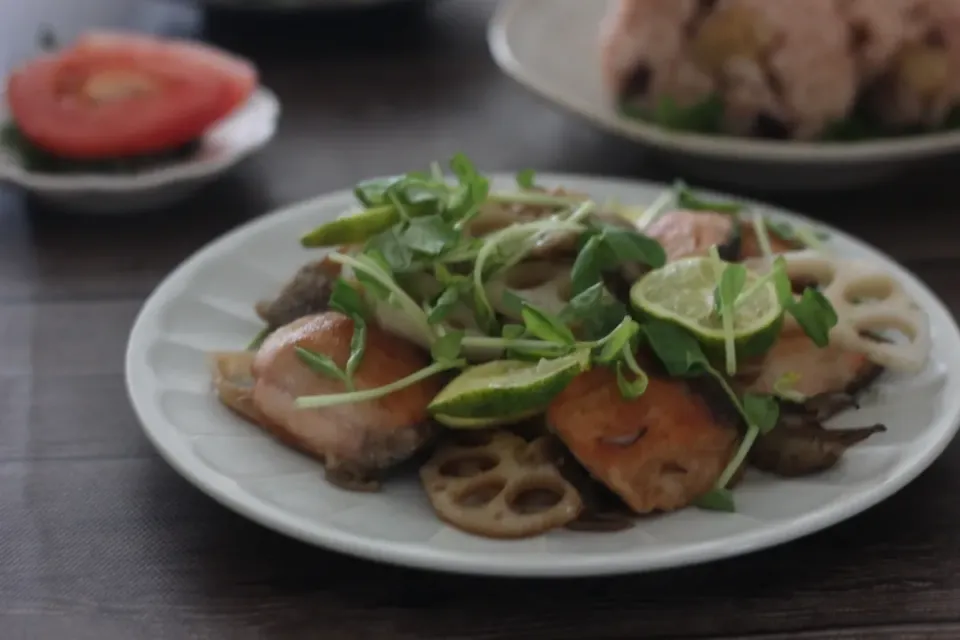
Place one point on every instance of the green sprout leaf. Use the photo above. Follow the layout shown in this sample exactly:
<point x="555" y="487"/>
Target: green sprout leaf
<point x="430" y="235"/>
<point x="762" y="410"/>
<point x="815" y="315"/>
<point x="447" y="348"/>
<point x="346" y="299"/>
<point x="320" y="363"/>
<point x="546" y="326"/>
<point x="686" y="198"/>
<point x="358" y="345"/>
<point x="526" y="178"/>
<point x="717" y="499"/>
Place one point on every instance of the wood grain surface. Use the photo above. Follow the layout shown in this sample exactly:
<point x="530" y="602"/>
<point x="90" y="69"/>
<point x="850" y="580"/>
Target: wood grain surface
<point x="100" y="539"/>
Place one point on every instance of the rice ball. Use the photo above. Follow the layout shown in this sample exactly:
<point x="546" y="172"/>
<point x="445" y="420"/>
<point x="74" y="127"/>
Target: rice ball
<point x="786" y="70"/>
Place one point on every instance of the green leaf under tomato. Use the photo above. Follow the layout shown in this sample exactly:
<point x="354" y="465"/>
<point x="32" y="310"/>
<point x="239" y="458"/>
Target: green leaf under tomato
<point x="705" y="116"/>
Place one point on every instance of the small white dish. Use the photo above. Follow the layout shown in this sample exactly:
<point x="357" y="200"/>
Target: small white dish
<point x="207" y="304"/>
<point x="238" y="136"/>
<point x="552" y="48"/>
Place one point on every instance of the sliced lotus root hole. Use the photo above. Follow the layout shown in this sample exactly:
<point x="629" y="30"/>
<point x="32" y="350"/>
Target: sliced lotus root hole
<point x="481" y="493"/>
<point x="468" y="466"/>
<point x="893" y="341"/>
<point x="869" y="291"/>
<point x="810" y="275"/>
<point x="535" y="499"/>
<point x="851" y="286"/>
<point x="885" y="333"/>
<point x="508" y="500"/>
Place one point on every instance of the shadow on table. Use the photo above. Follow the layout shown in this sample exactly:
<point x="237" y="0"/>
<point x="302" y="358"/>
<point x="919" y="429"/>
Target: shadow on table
<point x="238" y="562"/>
<point x="415" y="25"/>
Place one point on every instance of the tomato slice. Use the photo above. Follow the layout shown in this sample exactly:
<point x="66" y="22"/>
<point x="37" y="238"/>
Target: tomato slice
<point x="238" y="75"/>
<point x="115" y="95"/>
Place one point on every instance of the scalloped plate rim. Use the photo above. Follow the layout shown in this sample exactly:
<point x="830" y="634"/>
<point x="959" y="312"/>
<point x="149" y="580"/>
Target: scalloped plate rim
<point x="143" y="390"/>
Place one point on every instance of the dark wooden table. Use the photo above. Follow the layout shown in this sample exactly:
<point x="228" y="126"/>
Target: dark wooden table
<point x="100" y="539"/>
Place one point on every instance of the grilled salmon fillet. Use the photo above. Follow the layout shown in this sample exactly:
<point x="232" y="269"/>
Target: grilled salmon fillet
<point x="812" y="370"/>
<point x="362" y="436"/>
<point x="685" y="234"/>
<point x="657" y="452"/>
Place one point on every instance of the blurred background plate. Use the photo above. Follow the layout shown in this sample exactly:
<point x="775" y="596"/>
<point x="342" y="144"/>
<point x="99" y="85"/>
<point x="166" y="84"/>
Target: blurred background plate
<point x="225" y="145"/>
<point x="552" y="48"/>
<point x="297" y="5"/>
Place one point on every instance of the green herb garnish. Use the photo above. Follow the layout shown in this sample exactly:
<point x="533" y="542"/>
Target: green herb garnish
<point x="732" y="279"/>
<point x="33" y="158"/>
<point x="682" y="357"/>
<point x="259" y="339"/>
<point x="783" y="387"/>
<point x="705" y="116"/>
<point x="605" y="247"/>
<point x="526" y="179"/>
<point x="418" y="229"/>
<point x="687" y="199"/>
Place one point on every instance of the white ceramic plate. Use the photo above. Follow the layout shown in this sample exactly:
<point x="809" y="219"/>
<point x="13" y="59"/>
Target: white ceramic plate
<point x="241" y="134"/>
<point x="552" y="48"/>
<point x="206" y="304"/>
